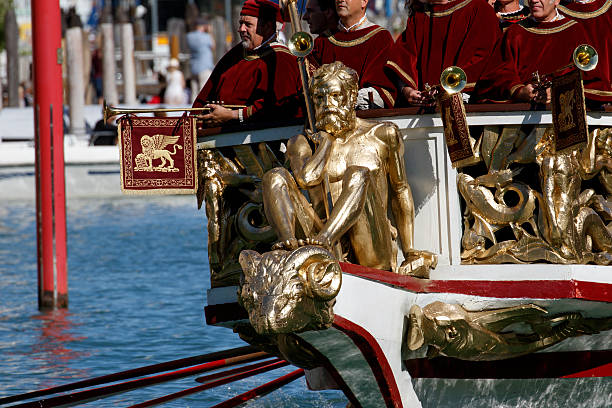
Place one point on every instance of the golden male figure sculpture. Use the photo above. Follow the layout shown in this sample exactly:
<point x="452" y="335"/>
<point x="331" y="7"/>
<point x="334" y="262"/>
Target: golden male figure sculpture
<point x="363" y="161"/>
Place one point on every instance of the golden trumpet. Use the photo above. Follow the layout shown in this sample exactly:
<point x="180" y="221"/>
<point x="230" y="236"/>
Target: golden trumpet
<point x="453" y="79"/>
<point x="109" y="111"/>
<point x="300" y="44"/>
<point x="585" y="57"/>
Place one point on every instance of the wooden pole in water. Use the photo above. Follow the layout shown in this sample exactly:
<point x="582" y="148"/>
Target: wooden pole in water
<point x="11" y="38"/>
<point x="108" y="57"/>
<point x="127" y="58"/>
<point x="76" y="83"/>
<point x="50" y="186"/>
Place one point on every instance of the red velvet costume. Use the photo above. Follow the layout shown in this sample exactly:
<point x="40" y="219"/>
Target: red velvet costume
<point x="365" y="51"/>
<point x="528" y="47"/>
<point x="596" y="18"/>
<point x="266" y="80"/>
<point x="461" y="33"/>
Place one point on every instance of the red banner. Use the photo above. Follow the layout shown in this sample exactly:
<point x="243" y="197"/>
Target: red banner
<point x="569" y="111"/>
<point x="456" y="129"/>
<point x="158" y="155"/>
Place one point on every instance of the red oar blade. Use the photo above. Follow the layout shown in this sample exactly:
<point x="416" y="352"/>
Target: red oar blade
<point x="102" y="392"/>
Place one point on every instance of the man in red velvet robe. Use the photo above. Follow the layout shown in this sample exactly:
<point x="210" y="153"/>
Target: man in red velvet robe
<point x="596" y="18"/>
<point x="441" y="33"/>
<point x="259" y="73"/>
<point x="544" y="43"/>
<point x="362" y="46"/>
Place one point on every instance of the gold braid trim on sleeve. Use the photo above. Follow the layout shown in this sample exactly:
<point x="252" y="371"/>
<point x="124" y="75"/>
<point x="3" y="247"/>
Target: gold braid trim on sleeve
<point x="401" y="73"/>
<point x="515" y="88"/>
<point x="389" y="96"/>
<point x="585" y="15"/>
<point x="357" y="41"/>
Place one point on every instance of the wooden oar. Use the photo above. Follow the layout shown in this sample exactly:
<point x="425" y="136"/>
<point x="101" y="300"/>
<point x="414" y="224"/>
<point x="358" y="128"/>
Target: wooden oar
<point x="261" y="390"/>
<point x="82" y="397"/>
<point x="210" y="385"/>
<point x="222" y="358"/>
<point x="227" y="373"/>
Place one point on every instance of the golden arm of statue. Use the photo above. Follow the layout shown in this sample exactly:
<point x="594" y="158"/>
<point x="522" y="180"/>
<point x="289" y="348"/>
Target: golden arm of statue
<point x="312" y="171"/>
<point x="298" y="152"/>
<point x="402" y="205"/>
<point x="592" y="163"/>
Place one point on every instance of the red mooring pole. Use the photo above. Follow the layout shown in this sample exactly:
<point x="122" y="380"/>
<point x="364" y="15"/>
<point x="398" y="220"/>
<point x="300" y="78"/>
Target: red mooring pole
<point x="49" y="130"/>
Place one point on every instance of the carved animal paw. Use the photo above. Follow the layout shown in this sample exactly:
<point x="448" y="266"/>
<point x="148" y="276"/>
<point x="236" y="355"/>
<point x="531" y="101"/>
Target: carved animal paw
<point x="293" y="243"/>
<point x="418" y="264"/>
<point x="288" y="245"/>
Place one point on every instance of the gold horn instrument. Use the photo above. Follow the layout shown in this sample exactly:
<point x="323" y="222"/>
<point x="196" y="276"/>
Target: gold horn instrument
<point x="300" y="44"/>
<point x="585" y="57"/>
<point x="110" y="111"/>
<point x="453" y="79"/>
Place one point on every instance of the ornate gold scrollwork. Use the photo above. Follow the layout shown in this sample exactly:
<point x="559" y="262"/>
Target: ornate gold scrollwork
<point x="452" y="331"/>
<point x="236" y="221"/>
<point x="551" y="216"/>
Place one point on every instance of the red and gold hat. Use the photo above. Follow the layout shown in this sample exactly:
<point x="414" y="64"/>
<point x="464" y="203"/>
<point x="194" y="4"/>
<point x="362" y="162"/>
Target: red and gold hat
<point x="258" y="8"/>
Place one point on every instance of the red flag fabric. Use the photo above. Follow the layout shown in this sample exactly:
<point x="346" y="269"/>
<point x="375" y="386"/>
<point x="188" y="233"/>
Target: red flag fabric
<point x="158" y="155"/>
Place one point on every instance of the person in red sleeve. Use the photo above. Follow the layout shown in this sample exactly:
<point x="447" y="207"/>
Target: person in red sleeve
<point x="439" y="34"/>
<point x="544" y="43"/>
<point x="596" y="18"/>
<point x="259" y="73"/>
<point x="362" y="46"/>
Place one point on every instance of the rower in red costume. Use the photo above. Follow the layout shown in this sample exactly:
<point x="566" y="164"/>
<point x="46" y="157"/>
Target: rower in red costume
<point x="596" y="18"/>
<point x="259" y="73"/>
<point x="362" y="46"/>
<point x="544" y="43"/>
<point x="441" y="33"/>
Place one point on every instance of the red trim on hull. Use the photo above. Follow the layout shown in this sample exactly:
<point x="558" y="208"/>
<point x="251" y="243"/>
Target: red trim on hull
<point x="601" y="371"/>
<point x="374" y="356"/>
<point x="537" y="289"/>
<point x="568" y="364"/>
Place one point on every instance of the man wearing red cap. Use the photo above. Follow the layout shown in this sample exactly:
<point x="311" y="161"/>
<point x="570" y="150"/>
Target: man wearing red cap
<point x="439" y="34"/>
<point x="362" y="46"/>
<point x="259" y="73"/>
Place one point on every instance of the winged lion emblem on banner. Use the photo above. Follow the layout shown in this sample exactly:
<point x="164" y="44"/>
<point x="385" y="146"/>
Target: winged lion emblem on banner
<point x="153" y="148"/>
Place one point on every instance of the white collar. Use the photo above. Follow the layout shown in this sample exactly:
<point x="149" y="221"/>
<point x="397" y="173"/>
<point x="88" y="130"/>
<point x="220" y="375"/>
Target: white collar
<point x="361" y="21"/>
<point x="510" y="12"/>
<point x="558" y="16"/>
